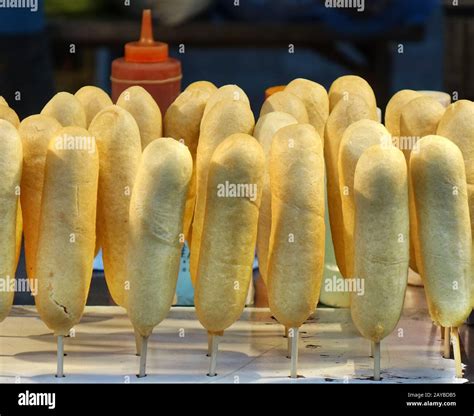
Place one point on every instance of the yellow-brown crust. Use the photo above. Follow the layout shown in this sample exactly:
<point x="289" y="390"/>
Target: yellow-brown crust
<point x="224" y="119"/>
<point x="381" y="240"/>
<point x="264" y="132"/>
<point x="67" y="109"/>
<point x="36" y="132"/>
<point x="346" y="112"/>
<point x="286" y="102"/>
<point x="182" y="122"/>
<point x="316" y="100"/>
<point x="156" y="222"/>
<point x="118" y="141"/>
<point x="11" y="158"/>
<point x="144" y="109"/>
<point x="442" y="212"/>
<point x="229" y="233"/>
<point x="296" y="259"/>
<point x="358" y="137"/>
<point x="66" y="231"/>
<point x="93" y="100"/>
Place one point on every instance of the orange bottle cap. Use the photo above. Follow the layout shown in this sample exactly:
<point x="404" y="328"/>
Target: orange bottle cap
<point x="146" y="49"/>
<point x="273" y="90"/>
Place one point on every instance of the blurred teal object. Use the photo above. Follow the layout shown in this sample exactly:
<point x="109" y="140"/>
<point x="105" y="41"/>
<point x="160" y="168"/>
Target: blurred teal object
<point x="329" y="296"/>
<point x="98" y="262"/>
<point x="184" y="288"/>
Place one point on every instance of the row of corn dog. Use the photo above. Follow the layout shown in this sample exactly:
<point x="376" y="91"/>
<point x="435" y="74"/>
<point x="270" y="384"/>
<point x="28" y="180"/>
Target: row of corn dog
<point x="140" y="207"/>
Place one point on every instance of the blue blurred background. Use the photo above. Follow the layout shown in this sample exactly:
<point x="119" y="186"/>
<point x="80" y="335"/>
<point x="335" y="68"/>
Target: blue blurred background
<point x="36" y="58"/>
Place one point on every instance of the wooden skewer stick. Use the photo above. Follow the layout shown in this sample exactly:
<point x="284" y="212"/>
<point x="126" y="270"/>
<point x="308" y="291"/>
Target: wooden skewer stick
<point x="209" y="344"/>
<point x="442" y="332"/>
<point x="293" y="336"/>
<point x="446" y="346"/>
<point x="288" y="343"/>
<point x="144" y="348"/>
<point x="213" y="361"/>
<point x="457" y="352"/>
<point x="138" y="343"/>
<point x="60" y="357"/>
<point x="376" y="348"/>
<point x="288" y="347"/>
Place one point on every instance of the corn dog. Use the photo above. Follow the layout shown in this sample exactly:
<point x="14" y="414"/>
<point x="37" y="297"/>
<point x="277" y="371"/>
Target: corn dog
<point x="227" y="92"/>
<point x="156" y="223"/>
<point x="67" y="226"/>
<point x="93" y="100"/>
<point x="285" y="102"/>
<point x="36" y="132"/>
<point x="296" y="259"/>
<point x="225" y="118"/>
<point x="207" y="86"/>
<point x="395" y="107"/>
<point x="381" y="240"/>
<point x="229" y="232"/>
<point x="347" y="85"/>
<point x="11" y="159"/>
<point x="264" y="132"/>
<point x="442" y="97"/>
<point x="118" y="141"/>
<point x="457" y="124"/>
<point x="346" y="112"/>
<point x="182" y="122"/>
<point x="144" y="109"/>
<point x="442" y="211"/>
<point x="8" y="114"/>
<point x="316" y="100"/>
<point x="67" y="109"/>
<point x="356" y="139"/>
<point x="418" y="118"/>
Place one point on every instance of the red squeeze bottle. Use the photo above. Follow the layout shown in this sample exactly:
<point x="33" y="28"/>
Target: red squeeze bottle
<point x="146" y="63"/>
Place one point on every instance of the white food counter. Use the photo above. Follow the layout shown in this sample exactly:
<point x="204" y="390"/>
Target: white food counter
<point x="252" y="350"/>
